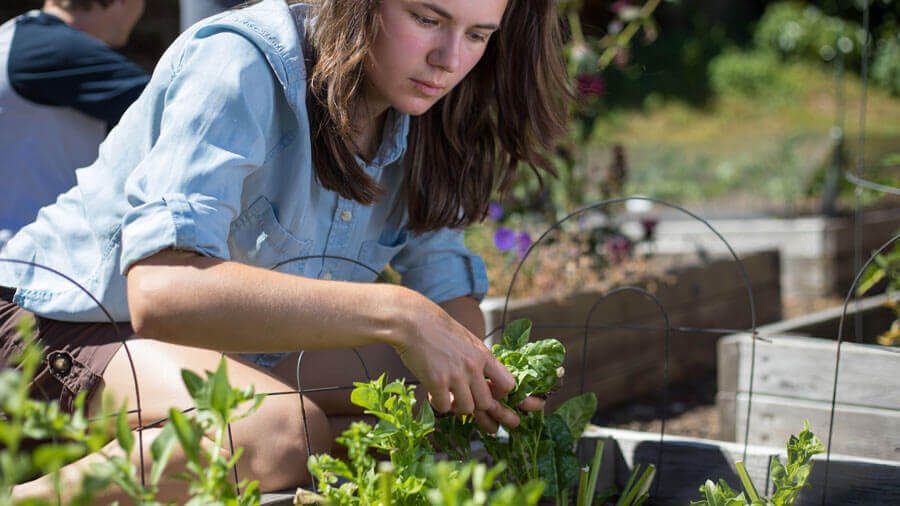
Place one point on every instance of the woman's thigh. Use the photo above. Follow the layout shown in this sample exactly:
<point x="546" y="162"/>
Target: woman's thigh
<point x="273" y="438"/>
<point x="340" y="368"/>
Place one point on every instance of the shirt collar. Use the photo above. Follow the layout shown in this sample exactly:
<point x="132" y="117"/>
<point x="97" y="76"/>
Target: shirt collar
<point x="393" y="139"/>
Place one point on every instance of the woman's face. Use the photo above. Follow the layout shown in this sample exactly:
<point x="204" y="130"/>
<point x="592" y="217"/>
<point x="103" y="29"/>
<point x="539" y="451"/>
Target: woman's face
<point x="426" y="47"/>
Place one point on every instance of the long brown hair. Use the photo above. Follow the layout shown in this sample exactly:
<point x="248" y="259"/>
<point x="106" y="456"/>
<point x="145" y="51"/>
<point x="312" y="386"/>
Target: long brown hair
<point x="509" y="111"/>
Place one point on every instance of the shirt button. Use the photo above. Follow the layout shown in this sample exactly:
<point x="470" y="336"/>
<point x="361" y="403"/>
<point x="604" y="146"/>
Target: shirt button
<point x="346" y="216"/>
<point x="326" y="275"/>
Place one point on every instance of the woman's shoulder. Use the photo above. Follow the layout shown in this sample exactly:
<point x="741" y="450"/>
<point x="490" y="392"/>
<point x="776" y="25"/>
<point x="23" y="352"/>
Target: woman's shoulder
<point x="269" y="29"/>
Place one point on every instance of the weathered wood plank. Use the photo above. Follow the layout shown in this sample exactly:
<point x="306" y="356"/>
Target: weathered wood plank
<point x="688" y="462"/>
<point x="803" y="368"/>
<point x="865" y="432"/>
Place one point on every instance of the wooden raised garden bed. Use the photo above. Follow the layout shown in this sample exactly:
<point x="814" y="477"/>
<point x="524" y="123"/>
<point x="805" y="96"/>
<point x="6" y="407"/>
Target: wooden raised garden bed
<point x="623" y="364"/>
<point x="794" y="380"/>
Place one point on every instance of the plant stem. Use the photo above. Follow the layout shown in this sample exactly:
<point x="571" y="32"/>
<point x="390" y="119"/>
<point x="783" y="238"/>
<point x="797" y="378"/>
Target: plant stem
<point x="748" y="483"/>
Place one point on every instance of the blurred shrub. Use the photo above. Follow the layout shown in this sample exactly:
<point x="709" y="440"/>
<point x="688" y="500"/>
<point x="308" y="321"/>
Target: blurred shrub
<point x="755" y="73"/>
<point x="799" y="30"/>
<point x="886" y="65"/>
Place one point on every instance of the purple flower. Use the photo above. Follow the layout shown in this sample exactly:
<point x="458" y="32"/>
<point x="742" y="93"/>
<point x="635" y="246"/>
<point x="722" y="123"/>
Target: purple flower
<point x="523" y="242"/>
<point x="495" y="211"/>
<point x="590" y="84"/>
<point x="504" y="238"/>
<point x="649" y="225"/>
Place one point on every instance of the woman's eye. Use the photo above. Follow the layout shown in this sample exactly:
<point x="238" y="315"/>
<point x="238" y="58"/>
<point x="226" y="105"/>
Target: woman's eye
<point x="422" y="20"/>
<point x="477" y="37"/>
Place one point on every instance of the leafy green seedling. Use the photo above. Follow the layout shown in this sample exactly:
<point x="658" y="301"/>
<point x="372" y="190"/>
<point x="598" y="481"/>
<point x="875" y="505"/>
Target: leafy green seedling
<point x="788" y="479"/>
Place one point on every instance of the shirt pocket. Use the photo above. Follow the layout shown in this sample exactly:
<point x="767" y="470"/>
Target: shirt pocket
<point x="258" y="239"/>
<point x="376" y="254"/>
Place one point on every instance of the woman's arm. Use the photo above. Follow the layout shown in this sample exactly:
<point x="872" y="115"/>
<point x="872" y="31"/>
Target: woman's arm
<point x="465" y="310"/>
<point x="186" y="298"/>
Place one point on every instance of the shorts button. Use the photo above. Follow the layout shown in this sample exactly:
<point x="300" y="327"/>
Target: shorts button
<point x="60" y="362"/>
<point x="346" y="216"/>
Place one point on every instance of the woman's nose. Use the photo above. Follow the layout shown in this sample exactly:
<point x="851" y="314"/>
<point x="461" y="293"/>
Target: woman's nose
<point x="446" y="54"/>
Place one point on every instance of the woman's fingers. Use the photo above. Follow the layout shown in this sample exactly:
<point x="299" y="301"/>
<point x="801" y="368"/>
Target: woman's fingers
<point x="502" y="381"/>
<point x="486" y="422"/>
<point x="532" y="403"/>
<point x="439" y="399"/>
<point x="463" y="404"/>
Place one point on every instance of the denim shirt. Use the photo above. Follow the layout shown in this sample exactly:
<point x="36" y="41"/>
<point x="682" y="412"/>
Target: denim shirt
<point x="214" y="157"/>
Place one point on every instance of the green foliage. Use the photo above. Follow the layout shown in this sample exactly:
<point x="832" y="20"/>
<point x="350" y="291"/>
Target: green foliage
<point x="36" y="437"/>
<point x="788" y="479"/>
<point x="471" y="484"/>
<point x="756" y="73"/>
<point x="886" y="267"/>
<point x="411" y="477"/>
<point x="800" y="30"/>
<point x="886" y="65"/>
<point x="541" y="447"/>
<point x="62" y="439"/>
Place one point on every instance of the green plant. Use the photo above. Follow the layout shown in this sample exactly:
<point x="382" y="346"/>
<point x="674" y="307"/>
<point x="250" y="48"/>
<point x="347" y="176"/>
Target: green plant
<point x="37" y="438"/>
<point x="410" y="476"/>
<point x="886" y="267"/>
<point x="754" y="73"/>
<point x="886" y="64"/>
<point x="62" y="438"/>
<point x="800" y="30"/>
<point x="788" y="479"/>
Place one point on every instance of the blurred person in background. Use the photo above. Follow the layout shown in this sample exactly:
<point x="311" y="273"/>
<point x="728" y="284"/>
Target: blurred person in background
<point x="62" y="88"/>
<point x="195" y="10"/>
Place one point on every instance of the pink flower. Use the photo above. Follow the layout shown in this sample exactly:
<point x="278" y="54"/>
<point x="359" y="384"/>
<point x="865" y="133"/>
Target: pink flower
<point x="590" y="84"/>
<point x="619" y="5"/>
<point x="649" y="225"/>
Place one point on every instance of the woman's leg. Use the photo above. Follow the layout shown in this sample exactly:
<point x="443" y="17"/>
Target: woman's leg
<point x="275" y="450"/>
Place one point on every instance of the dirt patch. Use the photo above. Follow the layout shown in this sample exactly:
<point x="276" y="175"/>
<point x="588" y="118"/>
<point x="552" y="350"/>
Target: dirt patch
<point x="691" y="410"/>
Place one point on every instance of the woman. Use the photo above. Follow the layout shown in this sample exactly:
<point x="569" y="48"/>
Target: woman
<point x="373" y="130"/>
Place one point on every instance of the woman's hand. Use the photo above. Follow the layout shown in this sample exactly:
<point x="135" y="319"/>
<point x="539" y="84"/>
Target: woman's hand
<point x="455" y="367"/>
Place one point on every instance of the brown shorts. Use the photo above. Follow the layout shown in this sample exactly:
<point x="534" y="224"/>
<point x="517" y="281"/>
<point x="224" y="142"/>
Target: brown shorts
<point x="75" y="354"/>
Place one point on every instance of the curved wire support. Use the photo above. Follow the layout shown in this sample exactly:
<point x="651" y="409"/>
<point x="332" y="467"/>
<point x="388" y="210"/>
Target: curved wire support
<point x="743" y="271"/>
<point x="665" y="398"/>
<point x="112" y="321"/>
<point x="300" y="390"/>
<point x="858" y="181"/>
<point x="837" y="360"/>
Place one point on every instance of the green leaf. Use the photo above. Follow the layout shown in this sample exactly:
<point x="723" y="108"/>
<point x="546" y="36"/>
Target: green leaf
<point x="870" y="278"/>
<point x="194" y="383"/>
<point x="161" y="451"/>
<point x="123" y="431"/>
<point x="221" y="391"/>
<point x="517" y="333"/>
<point x="577" y="412"/>
<point x="186" y="433"/>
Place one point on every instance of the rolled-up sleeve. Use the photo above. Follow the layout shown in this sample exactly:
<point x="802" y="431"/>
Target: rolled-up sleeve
<point x="438" y="265"/>
<point x="213" y="122"/>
